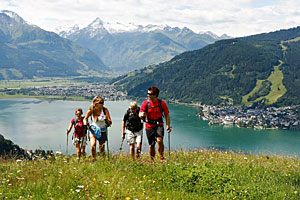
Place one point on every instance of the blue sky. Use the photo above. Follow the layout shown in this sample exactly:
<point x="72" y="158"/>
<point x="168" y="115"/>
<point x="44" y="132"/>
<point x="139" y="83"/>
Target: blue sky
<point x="233" y="17"/>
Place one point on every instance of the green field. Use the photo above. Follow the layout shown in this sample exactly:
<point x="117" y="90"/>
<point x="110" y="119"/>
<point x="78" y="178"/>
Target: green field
<point x="199" y="174"/>
<point x="277" y="88"/>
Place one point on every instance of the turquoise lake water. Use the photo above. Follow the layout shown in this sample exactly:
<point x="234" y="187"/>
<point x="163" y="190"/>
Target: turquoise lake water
<point x="34" y="124"/>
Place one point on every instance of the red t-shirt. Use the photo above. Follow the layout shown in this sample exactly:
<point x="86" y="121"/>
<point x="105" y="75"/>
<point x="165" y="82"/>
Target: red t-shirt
<point x="79" y="128"/>
<point x="154" y="111"/>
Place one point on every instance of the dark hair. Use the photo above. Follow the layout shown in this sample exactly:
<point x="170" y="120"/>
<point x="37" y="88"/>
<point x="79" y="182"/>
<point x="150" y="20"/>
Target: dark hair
<point x="78" y="110"/>
<point x="154" y="90"/>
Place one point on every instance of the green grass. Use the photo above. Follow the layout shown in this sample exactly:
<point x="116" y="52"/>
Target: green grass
<point x="277" y="88"/>
<point x="201" y="174"/>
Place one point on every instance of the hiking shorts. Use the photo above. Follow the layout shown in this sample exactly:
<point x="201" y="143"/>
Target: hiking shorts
<point x="102" y="138"/>
<point x="153" y="133"/>
<point x="78" y="140"/>
<point x="134" y="137"/>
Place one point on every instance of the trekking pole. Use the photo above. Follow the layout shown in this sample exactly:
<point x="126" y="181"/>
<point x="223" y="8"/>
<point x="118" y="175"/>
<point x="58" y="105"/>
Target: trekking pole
<point x="107" y="143"/>
<point x="169" y="145"/>
<point x="67" y="143"/>
<point x="121" y="146"/>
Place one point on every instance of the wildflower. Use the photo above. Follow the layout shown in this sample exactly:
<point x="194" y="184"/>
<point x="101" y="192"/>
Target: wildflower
<point x="153" y="181"/>
<point x="245" y="158"/>
<point x="80" y="186"/>
<point x="77" y="190"/>
<point x="127" y="198"/>
<point x="295" y="192"/>
<point x="18" y="171"/>
<point x="144" y="176"/>
<point x="18" y="160"/>
<point x="94" y="179"/>
<point x="20" y="178"/>
<point x="106" y="182"/>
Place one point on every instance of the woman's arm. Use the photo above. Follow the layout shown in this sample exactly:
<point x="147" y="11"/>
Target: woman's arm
<point x="107" y="117"/>
<point x="69" y="129"/>
<point x="88" y="114"/>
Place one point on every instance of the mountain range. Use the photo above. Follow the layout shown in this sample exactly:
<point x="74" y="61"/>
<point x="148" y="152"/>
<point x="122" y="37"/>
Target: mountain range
<point x="27" y="51"/>
<point x="261" y="69"/>
<point x="126" y="47"/>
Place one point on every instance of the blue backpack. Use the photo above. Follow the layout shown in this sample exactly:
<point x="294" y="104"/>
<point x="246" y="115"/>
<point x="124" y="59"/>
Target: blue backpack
<point x="96" y="130"/>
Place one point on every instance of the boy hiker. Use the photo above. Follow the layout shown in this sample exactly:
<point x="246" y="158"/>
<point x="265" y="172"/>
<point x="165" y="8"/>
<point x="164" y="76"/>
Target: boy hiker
<point x="134" y="129"/>
<point x="79" y="137"/>
<point x="152" y="111"/>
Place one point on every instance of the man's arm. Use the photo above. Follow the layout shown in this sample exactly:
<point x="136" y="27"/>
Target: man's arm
<point x="168" y="123"/>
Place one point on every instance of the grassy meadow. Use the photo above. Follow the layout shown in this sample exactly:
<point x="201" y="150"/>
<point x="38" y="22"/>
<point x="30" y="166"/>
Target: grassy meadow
<point x="199" y="174"/>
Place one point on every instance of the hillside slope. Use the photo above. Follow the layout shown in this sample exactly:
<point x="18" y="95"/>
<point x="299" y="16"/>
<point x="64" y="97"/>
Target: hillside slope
<point x="26" y="51"/>
<point x="262" y="68"/>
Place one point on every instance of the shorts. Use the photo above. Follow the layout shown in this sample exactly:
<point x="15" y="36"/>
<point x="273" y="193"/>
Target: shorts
<point x="78" y="140"/>
<point x="134" y="137"/>
<point x="102" y="138"/>
<point x="153" y="133"/>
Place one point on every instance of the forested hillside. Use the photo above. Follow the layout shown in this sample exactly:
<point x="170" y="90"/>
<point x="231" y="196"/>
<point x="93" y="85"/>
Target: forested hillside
<point x="263" y="68"/>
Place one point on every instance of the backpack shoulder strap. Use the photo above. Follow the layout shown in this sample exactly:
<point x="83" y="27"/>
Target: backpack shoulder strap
<point x="160" y="107"/>
<point x="103" y="109"/>
<point x="147" y="106"/>
<point x="75" y="121"/>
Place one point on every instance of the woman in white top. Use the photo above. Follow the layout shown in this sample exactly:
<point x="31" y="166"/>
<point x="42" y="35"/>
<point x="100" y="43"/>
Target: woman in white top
<point x="100" y="120"/>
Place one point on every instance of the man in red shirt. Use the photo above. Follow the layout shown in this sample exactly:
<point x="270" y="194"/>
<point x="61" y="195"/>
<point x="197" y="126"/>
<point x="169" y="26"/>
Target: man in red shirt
<point x="152" y="110"/>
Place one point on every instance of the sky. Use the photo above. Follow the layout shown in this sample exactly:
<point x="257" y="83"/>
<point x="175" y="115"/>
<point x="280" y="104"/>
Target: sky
<point x="235" y="18"/>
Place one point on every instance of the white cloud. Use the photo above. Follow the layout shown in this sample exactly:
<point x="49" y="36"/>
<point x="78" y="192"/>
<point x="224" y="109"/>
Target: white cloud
<point x="233" y="17"/>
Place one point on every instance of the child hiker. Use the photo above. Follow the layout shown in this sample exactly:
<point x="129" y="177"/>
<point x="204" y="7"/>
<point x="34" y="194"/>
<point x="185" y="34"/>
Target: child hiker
<point x="79" y="136"/>
<point x="134" y="129"/>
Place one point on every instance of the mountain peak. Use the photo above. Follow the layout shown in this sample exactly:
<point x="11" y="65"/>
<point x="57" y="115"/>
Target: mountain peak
<point x="97" y="22"/>
<point x="13" y="15"/>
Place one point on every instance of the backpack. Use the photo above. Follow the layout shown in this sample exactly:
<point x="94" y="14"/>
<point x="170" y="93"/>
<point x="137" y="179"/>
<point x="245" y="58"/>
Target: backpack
<point x="155" y="121"/>
<point x="77" y="125"/>
<point x="96" y="130"/>
<point x="133" y="122"/>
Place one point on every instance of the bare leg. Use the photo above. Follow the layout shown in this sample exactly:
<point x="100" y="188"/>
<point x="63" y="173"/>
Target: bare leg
<point x="102" y="149"/>
<point x="138" y="150"/>
<point x="78" y="149"/>
<point x="160" y="147"/>
<point x="93" y="146"/>
<point x="132" y="150"/>
<point x="152" y="152"/>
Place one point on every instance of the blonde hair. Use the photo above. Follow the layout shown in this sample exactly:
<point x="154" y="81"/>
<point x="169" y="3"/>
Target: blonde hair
<point x="96" y="100"/>
<point x="133" y="104"/>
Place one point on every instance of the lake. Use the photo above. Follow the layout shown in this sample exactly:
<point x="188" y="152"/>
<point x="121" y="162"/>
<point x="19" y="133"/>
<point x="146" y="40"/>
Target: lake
<point x="34" y="124"/>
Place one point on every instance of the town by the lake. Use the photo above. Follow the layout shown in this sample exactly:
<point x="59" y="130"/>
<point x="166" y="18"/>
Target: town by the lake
<point x="240" y="116"/>
<point x="248" y="117"/>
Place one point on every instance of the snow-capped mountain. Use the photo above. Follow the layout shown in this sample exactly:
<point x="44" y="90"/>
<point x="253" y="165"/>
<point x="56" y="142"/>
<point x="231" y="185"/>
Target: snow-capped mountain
<point x="14" y="16"/>
<point x="27" y="51"/>
<point x="126" y="47"/>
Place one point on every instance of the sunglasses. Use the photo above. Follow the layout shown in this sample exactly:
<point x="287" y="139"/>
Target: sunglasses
<point x="101" y="102"/>
<point x="78" y="114"/>
<point x="150" y="94"/>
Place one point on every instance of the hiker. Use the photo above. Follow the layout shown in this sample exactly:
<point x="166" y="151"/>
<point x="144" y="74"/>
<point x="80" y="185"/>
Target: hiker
<point x="152" y="111"/>
<point x="100" y="120"/>
<point x="134" y="129"/>
<point x="79" y="135"/>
